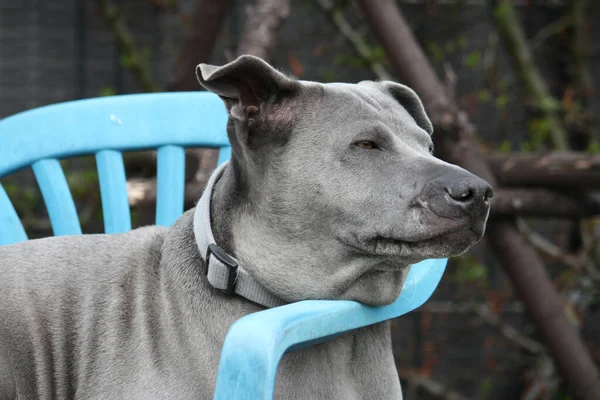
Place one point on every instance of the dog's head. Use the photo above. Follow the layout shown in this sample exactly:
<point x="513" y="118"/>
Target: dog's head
<point x="339" y="190"/>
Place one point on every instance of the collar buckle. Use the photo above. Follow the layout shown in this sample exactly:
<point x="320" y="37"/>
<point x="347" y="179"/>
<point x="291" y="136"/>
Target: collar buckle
<point x="228" y="262"/>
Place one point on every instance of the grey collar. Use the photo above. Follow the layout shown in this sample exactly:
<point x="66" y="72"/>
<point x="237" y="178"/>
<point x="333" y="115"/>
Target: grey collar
<point x="224" y="272"/>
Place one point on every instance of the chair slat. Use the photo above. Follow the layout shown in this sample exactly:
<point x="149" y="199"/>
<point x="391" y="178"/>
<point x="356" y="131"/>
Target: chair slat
<point x="113" y="191"/>
<point x="11" y="228"/>
<point x="56" y="194"/>
<point x="170" y="184"/>
<point x="224" y="155"/>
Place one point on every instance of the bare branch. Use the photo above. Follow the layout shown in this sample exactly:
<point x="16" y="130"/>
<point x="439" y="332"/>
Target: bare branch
<point x="508" y="331"/>
<point x="551" y="29"/>
<point x="552" y="170"/>
<point x="262" y="27"/>
<point x="545" y="246"/>
<point x="542" y="203"/>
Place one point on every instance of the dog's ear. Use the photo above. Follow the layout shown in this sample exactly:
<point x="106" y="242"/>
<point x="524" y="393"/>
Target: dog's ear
<point x="411" y="103"/>
<point x="246" y="85"/>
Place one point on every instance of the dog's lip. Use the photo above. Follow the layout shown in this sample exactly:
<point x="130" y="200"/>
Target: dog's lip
<point x="381" y="245"/>
<point x="371" y="247"/>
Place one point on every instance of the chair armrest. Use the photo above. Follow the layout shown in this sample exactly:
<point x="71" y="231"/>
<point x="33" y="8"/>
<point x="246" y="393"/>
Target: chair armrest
<point x="256" y="342"/>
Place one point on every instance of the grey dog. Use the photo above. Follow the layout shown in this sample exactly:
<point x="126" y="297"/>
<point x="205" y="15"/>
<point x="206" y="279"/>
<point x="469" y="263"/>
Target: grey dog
<point x="332" y="192"/>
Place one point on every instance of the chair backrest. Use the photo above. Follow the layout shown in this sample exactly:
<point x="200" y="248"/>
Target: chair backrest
<point x="170" y="122"/>
<point x="106" y="127"/>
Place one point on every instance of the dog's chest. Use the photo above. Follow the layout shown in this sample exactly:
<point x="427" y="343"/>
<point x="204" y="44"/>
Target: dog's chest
<point x="359" y="365"/>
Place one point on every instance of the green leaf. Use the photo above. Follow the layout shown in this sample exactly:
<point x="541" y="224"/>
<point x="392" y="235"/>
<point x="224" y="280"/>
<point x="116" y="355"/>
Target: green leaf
<point x="327" y="75"/>
<point x="126" y="60"/>
<point x="484" y="95"/>
<point x="340" y="59"/>
<point x="502" y="100"/>
<point x="486" y="387"/>
<point x="378" y="54"/>
<point x="473" y="272"/>
<point x="502" y="9"/>
<point x="505" y="147"/>
<point x="29" y="196"/>
<point x="108" y="91"/>
<point x="11" y="188"/>
<point x="469" y="270"/>
<point x="594" y="147"/>
<point x="538" y="127"/>
<point x="473" y="59"/>
<point x="525" y="147"/>
<point x="548" y="103"/>
<point x="436" y="51"/>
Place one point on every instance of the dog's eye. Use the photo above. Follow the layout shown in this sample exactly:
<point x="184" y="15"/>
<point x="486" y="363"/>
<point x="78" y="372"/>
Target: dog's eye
<point x="430" y="149"/>
<point x="367" y="144"/>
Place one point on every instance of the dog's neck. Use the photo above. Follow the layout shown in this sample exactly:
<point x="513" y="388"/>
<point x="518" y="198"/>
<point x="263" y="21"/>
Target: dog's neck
<point x="216" y="245"/>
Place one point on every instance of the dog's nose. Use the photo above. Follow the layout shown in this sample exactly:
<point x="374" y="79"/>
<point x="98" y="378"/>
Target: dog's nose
<point x="470" y="193"/>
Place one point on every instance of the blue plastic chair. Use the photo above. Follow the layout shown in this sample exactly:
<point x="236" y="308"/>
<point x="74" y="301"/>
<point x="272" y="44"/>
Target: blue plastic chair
<point x="169" y="122"/>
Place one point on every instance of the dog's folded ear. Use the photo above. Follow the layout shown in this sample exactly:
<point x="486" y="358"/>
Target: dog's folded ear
<point x="245" y="85"/>
<point x="411" y="103"/>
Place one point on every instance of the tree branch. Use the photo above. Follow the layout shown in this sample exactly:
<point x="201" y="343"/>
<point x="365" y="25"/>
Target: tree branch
<point x="551" y="29"/>
<point x="132" y="59"/>
<point x="551" y="170"/>
<point x="262" y="27"/>
<point x="199" y="37"/>
<point x="542" y="203"/>
<point x="545" y="246"/>
<point x="511" y="33"/>
<point x="508" y="331"/>
<point x="455" y="142"/>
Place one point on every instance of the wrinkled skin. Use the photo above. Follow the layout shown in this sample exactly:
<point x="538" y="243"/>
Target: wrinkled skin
<point x="331" y="194"/>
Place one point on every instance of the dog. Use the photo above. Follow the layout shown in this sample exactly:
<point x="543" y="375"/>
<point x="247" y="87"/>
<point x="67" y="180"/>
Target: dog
<point x="332" y="192"/>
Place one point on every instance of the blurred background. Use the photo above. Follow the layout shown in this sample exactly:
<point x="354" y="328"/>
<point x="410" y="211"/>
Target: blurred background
<point x="512" y="89"/>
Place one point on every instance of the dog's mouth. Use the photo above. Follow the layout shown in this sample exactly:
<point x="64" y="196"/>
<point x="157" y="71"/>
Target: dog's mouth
<point x="378" y="245"/>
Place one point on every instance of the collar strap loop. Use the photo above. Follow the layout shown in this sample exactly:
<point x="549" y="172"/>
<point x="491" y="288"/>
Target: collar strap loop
<point x="228" y="262"/>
